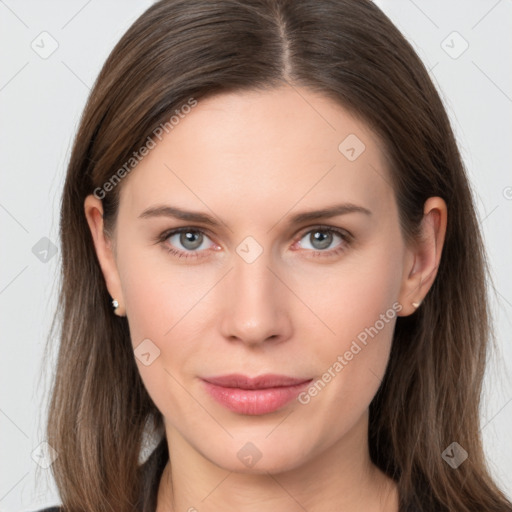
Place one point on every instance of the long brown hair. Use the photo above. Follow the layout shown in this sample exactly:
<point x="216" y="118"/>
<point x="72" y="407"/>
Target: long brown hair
<point x="349" y="51"/>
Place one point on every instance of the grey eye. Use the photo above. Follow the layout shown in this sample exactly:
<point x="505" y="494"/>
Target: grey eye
<point x="319" y="239"/>
<point x="189" y="240"/>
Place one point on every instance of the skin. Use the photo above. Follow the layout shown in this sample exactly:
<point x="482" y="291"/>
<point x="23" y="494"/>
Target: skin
<point x="252" y="160"/>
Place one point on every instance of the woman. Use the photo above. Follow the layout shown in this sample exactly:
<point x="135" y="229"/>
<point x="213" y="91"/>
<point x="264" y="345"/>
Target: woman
<point x="271" y="261"/>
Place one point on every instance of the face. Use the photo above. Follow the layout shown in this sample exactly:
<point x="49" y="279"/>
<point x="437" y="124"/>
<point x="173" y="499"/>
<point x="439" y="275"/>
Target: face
<point x="253" y="285"/>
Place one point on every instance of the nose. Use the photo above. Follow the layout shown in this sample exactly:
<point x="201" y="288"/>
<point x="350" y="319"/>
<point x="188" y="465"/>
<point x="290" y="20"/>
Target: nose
<point x="256" y="304"/>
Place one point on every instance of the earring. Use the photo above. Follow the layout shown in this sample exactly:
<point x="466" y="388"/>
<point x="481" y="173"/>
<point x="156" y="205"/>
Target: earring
<point x="115" y="305"/>
<point x="416" y="304"/>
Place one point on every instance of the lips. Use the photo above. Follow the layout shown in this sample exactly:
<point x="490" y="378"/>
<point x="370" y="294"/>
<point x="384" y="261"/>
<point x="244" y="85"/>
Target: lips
<point x="254" y="395"/>
<point x="261" y="382"/>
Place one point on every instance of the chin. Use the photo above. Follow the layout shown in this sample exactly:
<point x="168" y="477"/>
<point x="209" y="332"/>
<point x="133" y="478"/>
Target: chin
<point x="254" y="457"/>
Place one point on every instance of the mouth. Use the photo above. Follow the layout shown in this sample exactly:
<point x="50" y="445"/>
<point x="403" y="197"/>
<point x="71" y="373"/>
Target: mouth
<point x="254" y="396"/>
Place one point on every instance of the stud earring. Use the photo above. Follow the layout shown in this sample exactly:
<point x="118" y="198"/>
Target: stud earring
<point x="416" y="304"/>
<point x="118" y="310"/>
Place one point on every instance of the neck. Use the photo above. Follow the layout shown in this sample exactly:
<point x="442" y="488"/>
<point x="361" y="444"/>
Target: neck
<point x="341" y="477"/>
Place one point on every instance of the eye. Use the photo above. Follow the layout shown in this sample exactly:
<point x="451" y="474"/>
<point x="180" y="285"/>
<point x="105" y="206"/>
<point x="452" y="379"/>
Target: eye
<point x="325" y="240"/>
<point x="186" y="242"/>
<point x="190" y="242"/>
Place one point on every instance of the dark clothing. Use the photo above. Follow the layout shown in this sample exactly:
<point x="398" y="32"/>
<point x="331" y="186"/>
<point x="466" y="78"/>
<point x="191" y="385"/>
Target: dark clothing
<point x="152" y="471"/>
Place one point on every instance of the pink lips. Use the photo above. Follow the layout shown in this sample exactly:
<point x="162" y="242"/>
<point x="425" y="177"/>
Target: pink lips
<point x="254" y="396"/>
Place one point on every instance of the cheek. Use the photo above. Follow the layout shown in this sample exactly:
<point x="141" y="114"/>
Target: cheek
<point x="160" y="324"/>
<point x="353" y="296"/>
<point x="359" y="304"/>
<point x="162" y="302"/>
<point x="158" y="293"/>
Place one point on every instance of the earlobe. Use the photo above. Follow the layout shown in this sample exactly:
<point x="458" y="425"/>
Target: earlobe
<point x="424" y="257"/>
<point x="103" y="245"/>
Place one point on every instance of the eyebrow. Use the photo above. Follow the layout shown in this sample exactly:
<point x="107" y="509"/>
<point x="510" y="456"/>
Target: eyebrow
<point x="204" y="218"/>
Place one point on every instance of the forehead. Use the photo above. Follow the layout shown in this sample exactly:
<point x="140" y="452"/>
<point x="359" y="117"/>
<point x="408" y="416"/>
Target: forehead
<point x="279" y="145"/>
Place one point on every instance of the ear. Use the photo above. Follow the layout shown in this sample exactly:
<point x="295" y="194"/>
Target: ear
<point x="423" y="257"/>
<point x="105" y="250"/>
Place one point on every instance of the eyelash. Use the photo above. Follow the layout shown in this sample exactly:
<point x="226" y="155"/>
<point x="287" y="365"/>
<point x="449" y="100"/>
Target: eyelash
<point x="344" y="235"/>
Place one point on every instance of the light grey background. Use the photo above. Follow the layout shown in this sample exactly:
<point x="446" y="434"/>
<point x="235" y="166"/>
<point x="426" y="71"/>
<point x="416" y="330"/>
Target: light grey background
<point x="41" y="100"/>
